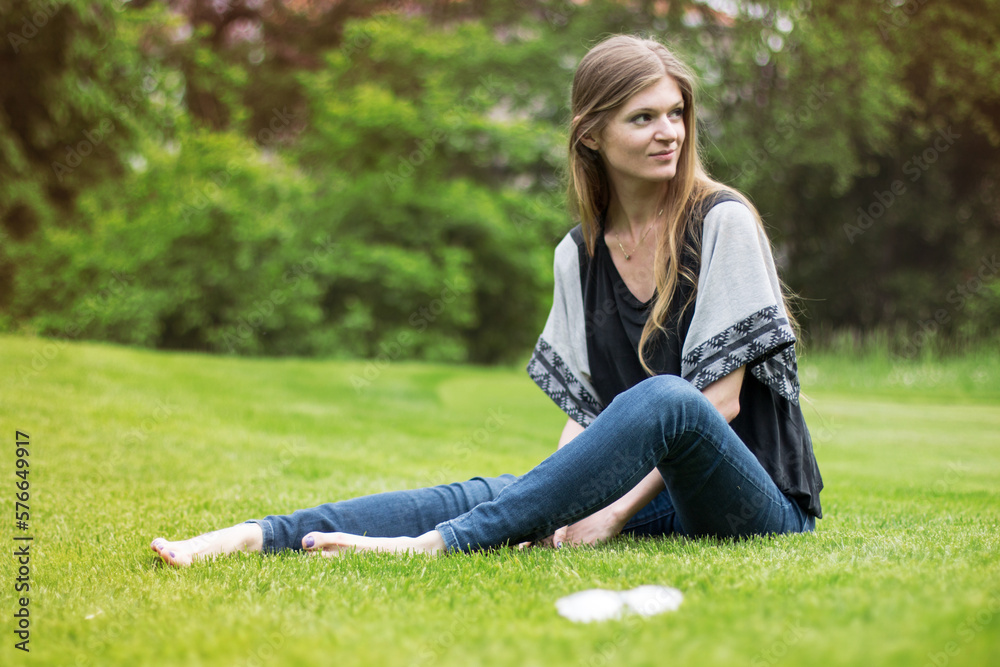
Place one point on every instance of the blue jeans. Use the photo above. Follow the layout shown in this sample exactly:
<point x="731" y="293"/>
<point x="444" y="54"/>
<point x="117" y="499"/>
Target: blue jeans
<point x="714" y="484"/>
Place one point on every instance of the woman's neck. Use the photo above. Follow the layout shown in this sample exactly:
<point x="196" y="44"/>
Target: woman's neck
<point x="632" y="215"/>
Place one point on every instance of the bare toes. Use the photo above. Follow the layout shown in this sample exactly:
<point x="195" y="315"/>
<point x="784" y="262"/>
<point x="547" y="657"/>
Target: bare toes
<point x="324" y="542"/>
<point x="171" y="553"/>
<point x="158" y="544"/>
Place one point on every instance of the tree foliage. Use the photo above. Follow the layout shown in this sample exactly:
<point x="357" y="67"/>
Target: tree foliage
<point x="870" y="141"/>
<point x="383" y="178"/>
<point x="74" y="100"/>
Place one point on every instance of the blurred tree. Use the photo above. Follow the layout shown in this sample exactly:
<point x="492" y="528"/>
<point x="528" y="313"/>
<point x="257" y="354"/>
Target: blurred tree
<point x="239" y="56"/>
<point x="867" y="134"/>
<point x="200" y="251"/>
<point x="79" y="91"/>
<point x="428" y="141"/>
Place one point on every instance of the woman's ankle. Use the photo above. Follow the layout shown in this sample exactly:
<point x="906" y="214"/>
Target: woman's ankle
<point x="432" y="542"/>
<point x="252" y="536"/>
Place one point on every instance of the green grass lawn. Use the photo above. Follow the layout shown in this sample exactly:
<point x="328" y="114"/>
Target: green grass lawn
<point x="128" y="445"/>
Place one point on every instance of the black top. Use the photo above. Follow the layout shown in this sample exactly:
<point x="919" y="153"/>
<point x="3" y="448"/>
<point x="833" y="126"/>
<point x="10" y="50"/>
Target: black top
<point x="771" y="426"/>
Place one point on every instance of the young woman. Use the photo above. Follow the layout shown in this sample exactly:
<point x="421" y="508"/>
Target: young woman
<point x="668" y="346"/>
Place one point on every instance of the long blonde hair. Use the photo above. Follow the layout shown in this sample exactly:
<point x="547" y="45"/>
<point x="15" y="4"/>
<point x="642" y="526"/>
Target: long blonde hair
<point x="610" y="74"/>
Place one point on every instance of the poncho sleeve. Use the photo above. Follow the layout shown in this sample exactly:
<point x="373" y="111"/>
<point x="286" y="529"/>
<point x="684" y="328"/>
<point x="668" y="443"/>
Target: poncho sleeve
<point x="739" y="316"/>
<point x="559" y="362"/>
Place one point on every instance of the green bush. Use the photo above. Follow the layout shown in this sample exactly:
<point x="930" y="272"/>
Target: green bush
<point x="440" y="184"/>
<point x="195" y="250"/>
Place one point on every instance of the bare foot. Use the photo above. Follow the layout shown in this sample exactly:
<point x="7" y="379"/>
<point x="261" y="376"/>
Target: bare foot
<point x="241" y="537"/>
<point x="333" y="544"/>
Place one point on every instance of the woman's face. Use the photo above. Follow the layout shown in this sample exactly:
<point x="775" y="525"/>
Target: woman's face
<point x="642" y="141"/>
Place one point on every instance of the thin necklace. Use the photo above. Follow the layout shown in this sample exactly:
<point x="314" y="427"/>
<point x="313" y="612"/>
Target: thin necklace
<point x="628" y="255"/>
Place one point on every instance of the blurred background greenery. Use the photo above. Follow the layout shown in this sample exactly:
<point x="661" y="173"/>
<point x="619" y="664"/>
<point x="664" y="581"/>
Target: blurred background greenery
<point x="384" y="179"/>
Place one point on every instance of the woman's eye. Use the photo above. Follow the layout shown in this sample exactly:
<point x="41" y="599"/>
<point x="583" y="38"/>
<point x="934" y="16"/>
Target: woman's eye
<point x="641" y="118"/>
<point x="677" y="113"/>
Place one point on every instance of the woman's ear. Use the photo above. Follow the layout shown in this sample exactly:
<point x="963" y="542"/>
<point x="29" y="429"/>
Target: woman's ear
<point x="589" y="141"/>
<point x="586" y="139"/>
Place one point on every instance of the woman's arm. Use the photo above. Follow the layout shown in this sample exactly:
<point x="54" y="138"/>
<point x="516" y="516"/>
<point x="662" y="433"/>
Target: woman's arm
<point x="724" y="394"/>
<point x="570" y="431"/>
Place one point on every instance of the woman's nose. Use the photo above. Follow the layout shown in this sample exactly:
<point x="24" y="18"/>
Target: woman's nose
<point x="665" y="130"/>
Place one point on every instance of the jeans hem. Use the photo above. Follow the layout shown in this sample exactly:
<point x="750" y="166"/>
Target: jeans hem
<point x="449" y="537"/>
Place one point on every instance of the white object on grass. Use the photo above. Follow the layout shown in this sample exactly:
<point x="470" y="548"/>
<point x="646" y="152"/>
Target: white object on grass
<point x="598" y="604"/>
<point x="653" y="600"/>
<point x="594" y="605"/>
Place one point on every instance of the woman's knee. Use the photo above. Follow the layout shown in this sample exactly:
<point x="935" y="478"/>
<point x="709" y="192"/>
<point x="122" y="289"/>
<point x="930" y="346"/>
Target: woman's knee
<point x="661" y="389"/>
<point x="657" y="398"/>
